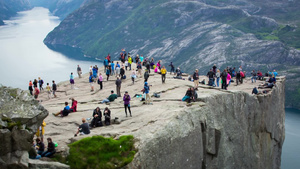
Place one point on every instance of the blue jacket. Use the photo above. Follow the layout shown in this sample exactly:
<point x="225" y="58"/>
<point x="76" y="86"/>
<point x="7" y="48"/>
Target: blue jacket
<point x="112" y="66"/>
<point x="146" y="87"/>
<point x="105" y="62"/>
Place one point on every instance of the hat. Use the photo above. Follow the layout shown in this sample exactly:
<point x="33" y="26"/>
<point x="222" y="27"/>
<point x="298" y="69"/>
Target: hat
<point x="146" y="83"/>
<point x="126" y="92"/>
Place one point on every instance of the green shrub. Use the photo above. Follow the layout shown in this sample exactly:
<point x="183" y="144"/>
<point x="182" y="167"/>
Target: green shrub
<point x="99" y="152"/>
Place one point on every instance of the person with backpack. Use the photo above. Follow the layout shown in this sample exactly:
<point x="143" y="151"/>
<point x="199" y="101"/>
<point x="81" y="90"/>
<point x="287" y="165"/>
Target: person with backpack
<point x="97" y="118"/>
<point x="224" y="79"/>
<point x="146" y="91"/>
<point x="107" y="74"/>
<point x="126" y="99"/>
<point x="41" y="82"/>
<point x="91" y="81"/>
<point x="105" y="63"/>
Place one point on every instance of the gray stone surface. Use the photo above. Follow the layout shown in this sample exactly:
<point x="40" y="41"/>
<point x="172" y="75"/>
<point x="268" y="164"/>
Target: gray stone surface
<point x="38" y="164"/>
<point x="20" y="117"/>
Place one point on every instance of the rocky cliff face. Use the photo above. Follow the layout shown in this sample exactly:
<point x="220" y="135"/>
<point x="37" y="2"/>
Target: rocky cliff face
<point x="20" y="117"/>
<point x="225" y="130"/>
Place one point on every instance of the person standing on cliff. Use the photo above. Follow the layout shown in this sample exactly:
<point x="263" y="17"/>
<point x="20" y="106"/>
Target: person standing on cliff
<point x="126" y="99"/>
<point x="36" y="93"/>
<point x="163" y="72"/>
<point x="105" y="63"/>
<point x="41" y="82"/>
<point x="91" y="81"/>
<point x="112" y="65"/>
<point x="172" y="68"/>
<point x="129" y="61"/>
<point x="118" y="86"/>
<point x="147" y="90"/>
<point x="196" y="79"/>
<point x="224" y="79"/>
<point x="72" y="80"/>
<point x="100" y="81"/>
<point x="48" y="89"/>
<point x="54" y="88"/>
<point x="30" y="88"/>
<point x="79" y="71"/>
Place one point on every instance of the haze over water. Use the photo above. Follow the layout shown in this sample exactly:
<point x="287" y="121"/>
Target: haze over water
<point x="24" y="56"/>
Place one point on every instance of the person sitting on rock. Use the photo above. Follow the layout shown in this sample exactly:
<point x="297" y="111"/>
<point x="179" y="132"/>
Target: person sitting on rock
<point x="110" y="98"/>
<point x="178" y="74"/>
<point x="74" y="105"/>
<point x="64" y="112"/>
<point x="188" y="95"/>
<point x="51" y="149"/>
<point x="39" y="146"/>
<point x="97" y="118"/>
<point x="83" y="129"/>
<point x="106" y="114"/>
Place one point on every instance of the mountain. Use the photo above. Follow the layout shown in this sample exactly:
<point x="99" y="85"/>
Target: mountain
<point x="59" y="8"/>
<point x="9" y="8"/>
<point x="193" y="34"/>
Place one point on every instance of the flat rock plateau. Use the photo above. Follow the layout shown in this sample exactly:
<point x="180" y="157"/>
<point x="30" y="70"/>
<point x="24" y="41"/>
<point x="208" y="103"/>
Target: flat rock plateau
<point x="222" y="129"/>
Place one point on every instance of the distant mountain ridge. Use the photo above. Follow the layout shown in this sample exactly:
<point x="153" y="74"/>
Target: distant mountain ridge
<point x="9" y="8"/>
<point x="192" y="34"/>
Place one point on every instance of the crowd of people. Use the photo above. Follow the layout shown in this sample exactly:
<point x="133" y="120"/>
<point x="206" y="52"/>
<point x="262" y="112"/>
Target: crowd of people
<point x="143" y="68"/>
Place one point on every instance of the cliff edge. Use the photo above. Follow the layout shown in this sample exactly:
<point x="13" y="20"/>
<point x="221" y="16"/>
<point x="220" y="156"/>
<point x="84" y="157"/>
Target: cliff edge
<point x="223" y="129"/>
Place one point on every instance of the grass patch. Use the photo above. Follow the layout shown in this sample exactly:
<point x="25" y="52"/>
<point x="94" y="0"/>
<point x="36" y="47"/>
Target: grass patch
<point x="98" y="152"/>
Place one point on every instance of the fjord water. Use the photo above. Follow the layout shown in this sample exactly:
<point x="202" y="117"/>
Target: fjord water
<point x="291" y="148"/>
<point x="24" y="56"/>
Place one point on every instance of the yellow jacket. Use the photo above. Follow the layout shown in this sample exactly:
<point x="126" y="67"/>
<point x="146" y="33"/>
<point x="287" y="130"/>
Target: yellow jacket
<point x="163" y="71"/>
<point x="129" y="60"/>
<point x="43" y="130"/>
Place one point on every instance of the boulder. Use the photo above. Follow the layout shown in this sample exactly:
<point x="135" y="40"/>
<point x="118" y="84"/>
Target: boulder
<point x="20" y="117"/>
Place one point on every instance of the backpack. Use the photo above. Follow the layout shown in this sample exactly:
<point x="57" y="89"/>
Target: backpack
<point x="124" y="77"/>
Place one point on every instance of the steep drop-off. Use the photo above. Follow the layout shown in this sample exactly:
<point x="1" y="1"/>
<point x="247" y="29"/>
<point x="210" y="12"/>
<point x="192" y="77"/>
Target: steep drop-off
<point x="223" y="129"/>
<point x="230" y="33"/>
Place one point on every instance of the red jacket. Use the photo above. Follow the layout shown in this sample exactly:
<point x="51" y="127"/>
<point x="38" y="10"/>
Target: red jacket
<point x="74" y="106"/>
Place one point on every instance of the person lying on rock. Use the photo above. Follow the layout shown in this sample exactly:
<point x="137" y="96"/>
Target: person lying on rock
<point x="110" y="98"/>
<point x="50" y="150"/>
<point x="64" y="112"/>
<point x="106" y="114"/>
<point x="74" y="105"/>
<point x="97" y="118"/>
<point x="83" y="129"/>
<point x="269" y="84"/>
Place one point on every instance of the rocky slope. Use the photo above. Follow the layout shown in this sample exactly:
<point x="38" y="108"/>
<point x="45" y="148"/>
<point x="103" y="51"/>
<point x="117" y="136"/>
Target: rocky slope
<point x="11" y="7"/>
<point x="223" y="129"/>
<point x="20" y="117"/>
<point x="226" y="33"/>
<point x="59" y="8"/>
